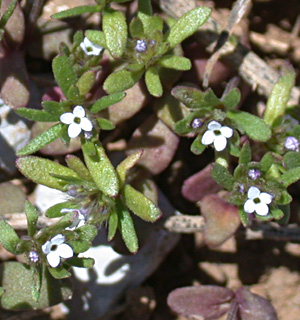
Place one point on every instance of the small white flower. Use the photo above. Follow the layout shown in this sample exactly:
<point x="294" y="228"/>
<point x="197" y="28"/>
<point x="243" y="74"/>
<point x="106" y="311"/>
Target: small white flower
<point x="79" y="218"/>
<point x="141" y="46"/>
<point x="55" y="249"/>
<point x="217" y="134"/>
<point x="257" y="201"/>
<point x="77" y="121"/>
<point x="90" y="48"/>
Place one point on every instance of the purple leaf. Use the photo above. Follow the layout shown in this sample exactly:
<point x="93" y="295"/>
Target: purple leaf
<point x="209" y="302"/>
<point x="254" y="307"/>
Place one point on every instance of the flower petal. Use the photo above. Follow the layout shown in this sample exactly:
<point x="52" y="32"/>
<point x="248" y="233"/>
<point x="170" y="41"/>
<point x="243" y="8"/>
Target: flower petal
<point x="46" y="247"/>
<point x="220" y="143"/>
<point x="67" y="118"/>
<point x="226" y="132"/>
<point x="53" y="259"/>
<point x="64" y="251"/>
<point x="79" y="112"/>
<point x="265" y="197"/>
<point x="261" y="209"/>
<point x="208" y="138"/>
<point x="253" y="193"/>
<point x="58" y="239"/>
<point x="214" y="125"/>
<point x="74" y="130"/>
<point x="86" y="124"/>
<point x="249" y="206"/>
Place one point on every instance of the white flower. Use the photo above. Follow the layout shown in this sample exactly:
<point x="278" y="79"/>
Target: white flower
<point x="257" y="201"/>
<point x="55" y="249"/>
<point x="77" y="121"/>
<point x="90" y="48"/>
<point x="217" y="134"/>
<point x="79" y="218"/>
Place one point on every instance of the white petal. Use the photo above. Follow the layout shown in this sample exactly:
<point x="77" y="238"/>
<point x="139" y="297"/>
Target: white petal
<point x="253" y="193"/>
<point x="53" y="259"/>
<point x="86" y="124"/>
<point x="79" y="112"/>
<point x="265" y="197"/>
<point x="208" y="138"/>
<point x="249" y="206"/>
<point x="214" y="125"/>
<point x="87" y="42"/>
<point x="226" y="132"/>
<point x="220" y="143"/>
<point x="46" y="247"/>
<point x="83" y="47"/>
<point x="58" y="239"/>
<point x="74" y="130"/>
<point x="64" y="251"/>
<point x="67" y="118"/>
<point x="261" y="209"/>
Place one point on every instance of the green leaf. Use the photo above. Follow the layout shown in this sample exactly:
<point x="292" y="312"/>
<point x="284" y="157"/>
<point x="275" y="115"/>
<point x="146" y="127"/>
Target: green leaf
<point x="253" y="126"/>
<point x="232" y="99"/>
<point x="277" y="213"/>
<point x="126" y="227"/>
<point x="96" y="37"/>
<point x="38" y="169"/>
<point x="101" y="169"/>
<point x="188" y="24"/>
<point x="153" y="82"/>
<point x="86" y="82"/>
<point x="290" y="176"/>
<point x="1" y="291"/>
<point x="291" y="160"/>
<point x="87" y="232"/>
<point x="81" y="262"/>
<point x="74" y="94"/>
<point x="73" y="12"/>
<point x="136" y="28"/>
<point x="140" y="205"/>
<point x="245" y="155"/>
<point x="59" y="272"/>
<point x="78" y="166"/>
<point x="7" y="14"/>
<point x="145" y="7"/>
<point x="53" y="107"/>
<point x="79" y="246"/>
<point x="113" y="222"/>
<point x="175" y="62"/>
<point x="266" y="162"/>
<point x="197" y="147"/>
<point x="40" y="141"/>
<point x="55" y="210"/>
<point x="32" y="218"/>
<point x="16" y="280"/>
<point x="36" y="282"/>
<point x="8" y="237"/>
<point x="64" y="73"/>
<point x="244" y="217"/>
<point x="37" y="115"/>
<point x="107" y="101"/>
<point x="279" y="97"/>
<point x="194" y="98"/>
<point x="121" y="80"/>
<point x="127" y="164"/>
<point x="115" y="31"/>
<point x="222" y="176"/>
<point x="105" y="124"/>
